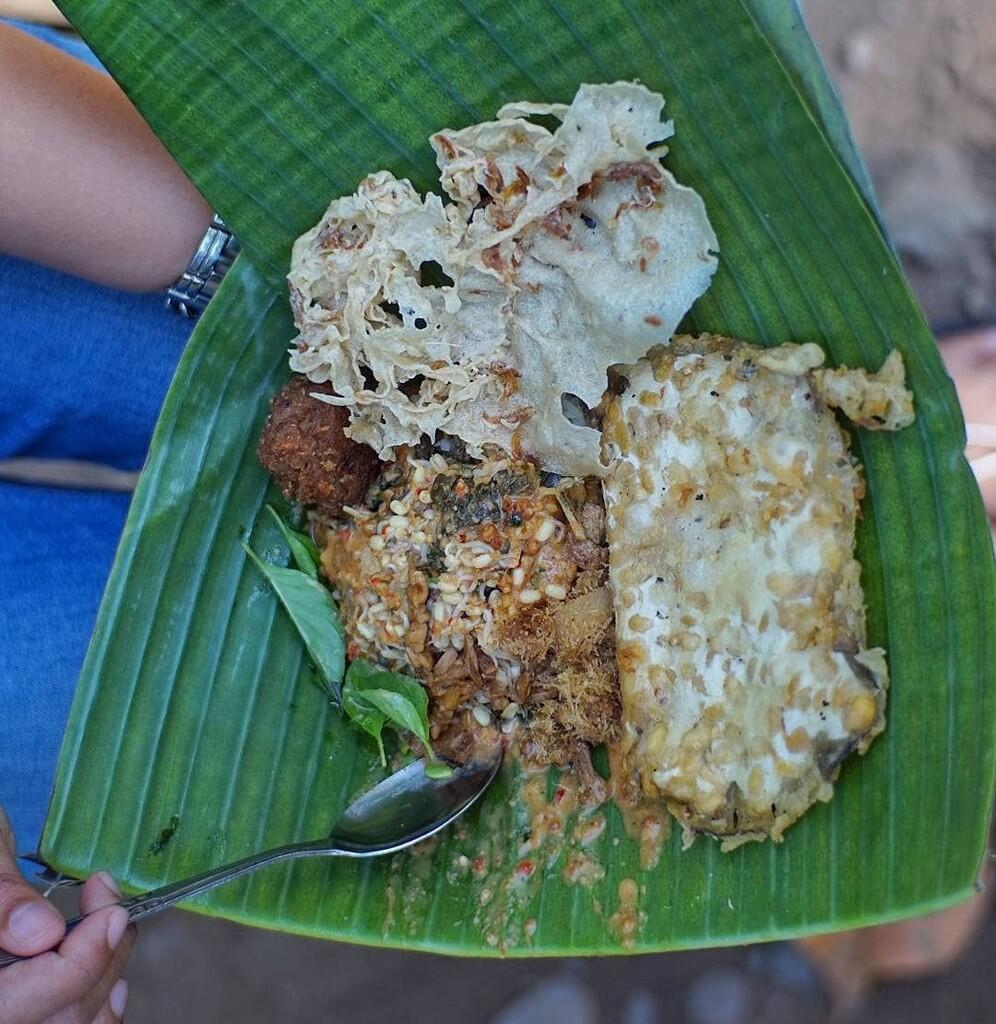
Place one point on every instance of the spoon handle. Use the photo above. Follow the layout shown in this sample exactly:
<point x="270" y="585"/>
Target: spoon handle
<point x="146" y="904"/>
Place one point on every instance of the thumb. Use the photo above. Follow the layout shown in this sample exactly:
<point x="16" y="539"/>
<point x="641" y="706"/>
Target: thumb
<point x="28" y="923"/>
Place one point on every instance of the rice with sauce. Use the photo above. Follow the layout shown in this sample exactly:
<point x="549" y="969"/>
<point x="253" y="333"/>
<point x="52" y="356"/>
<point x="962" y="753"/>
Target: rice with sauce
<point x="491" y="586"/>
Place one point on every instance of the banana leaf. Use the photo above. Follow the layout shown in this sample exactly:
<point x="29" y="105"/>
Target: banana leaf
<point x="196" y="707"/>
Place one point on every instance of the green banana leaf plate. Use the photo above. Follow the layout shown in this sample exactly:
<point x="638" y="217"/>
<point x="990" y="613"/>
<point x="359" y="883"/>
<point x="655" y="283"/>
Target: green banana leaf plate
<point x="197" y="736"/>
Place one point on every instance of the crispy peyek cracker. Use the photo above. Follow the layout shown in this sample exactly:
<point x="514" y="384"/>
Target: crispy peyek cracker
<point x="561" y="252"/>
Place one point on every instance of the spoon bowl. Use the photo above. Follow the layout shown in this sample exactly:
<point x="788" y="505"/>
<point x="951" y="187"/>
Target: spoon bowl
<point x="408" y="807"/>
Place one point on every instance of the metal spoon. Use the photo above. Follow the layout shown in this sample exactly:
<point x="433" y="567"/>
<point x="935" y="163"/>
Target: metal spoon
<point x="405" y="808"/>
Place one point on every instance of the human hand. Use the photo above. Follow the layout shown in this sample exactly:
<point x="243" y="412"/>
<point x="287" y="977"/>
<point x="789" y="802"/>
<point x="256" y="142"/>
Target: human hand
<point x="77" y="978"/>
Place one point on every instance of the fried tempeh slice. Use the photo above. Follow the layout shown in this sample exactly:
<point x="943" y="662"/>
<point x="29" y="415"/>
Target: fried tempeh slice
<point x="732" y="500"/>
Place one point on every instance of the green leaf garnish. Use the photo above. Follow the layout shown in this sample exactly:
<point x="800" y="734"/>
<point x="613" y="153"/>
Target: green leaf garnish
<point x="303" y="549"/>
<point x="369" y="693"/>
<point x="315" y="615"/>
<point x="371" y="697"/>
<point x="367" y="717"/>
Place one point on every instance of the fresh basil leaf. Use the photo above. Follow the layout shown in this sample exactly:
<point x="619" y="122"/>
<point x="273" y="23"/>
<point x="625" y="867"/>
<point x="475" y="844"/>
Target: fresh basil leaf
<point x="399" y="710"/>
<point x="315" y="615"/>
<point x="400" y="698"/>
<point x="303" y="549"/>
<point x="368" y="718"/>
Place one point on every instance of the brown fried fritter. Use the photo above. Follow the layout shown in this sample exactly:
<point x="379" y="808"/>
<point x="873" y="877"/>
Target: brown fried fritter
<point x="303" y="446"/>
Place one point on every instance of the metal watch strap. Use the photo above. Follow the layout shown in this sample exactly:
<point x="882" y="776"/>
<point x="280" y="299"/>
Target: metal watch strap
<point x="192" y="291"/>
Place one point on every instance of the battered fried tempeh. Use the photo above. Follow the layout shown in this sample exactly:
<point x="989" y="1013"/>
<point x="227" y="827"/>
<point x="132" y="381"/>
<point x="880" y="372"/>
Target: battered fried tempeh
<point x="740" y="624"/>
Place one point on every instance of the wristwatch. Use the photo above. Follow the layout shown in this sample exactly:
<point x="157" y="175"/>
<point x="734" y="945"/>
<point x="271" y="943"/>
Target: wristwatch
<point x="191" y="292"/>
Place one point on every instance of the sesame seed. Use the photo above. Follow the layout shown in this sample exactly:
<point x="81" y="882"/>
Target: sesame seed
<point x="418" y="476"/>
<point x="446" y="585"/>
<point x="556" y="591"/>
<point x="376" y="542"/>
<point x="481" y="715"/>
<point x="365" y="630"/>
<point x="511" y="710"/>
<point x="481" y="561"/>
<point x="530" y="596"/>
<point x="518" y="576"/>
<point x="437" y="462"/>
<point x="397" y="521"/>
<point x="439" y="612"/>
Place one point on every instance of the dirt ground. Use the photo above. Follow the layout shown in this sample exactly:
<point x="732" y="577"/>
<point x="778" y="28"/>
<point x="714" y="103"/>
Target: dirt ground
<point x="918" y="78"/>
<point x="203" y="971"/>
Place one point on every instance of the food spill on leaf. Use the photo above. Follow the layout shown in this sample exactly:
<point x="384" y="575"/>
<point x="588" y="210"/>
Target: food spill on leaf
<point x="581" y="869"/>
<point x="649" y="827"/>
<point x="540" y="833"/>
<point x="410" y="884"/>
<point x="391" y="894"/>
<point x="587" y="831"/>
<point x="652" y="834"/>
<point x="164" y="837"/>
<point x="626" y="920"/>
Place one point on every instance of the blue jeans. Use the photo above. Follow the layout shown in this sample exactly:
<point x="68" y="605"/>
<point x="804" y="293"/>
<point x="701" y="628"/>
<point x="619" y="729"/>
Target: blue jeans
<point x="83" y="372"/>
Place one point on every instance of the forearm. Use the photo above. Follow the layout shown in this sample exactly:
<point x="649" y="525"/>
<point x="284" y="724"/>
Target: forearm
<point x="85" y="186"/>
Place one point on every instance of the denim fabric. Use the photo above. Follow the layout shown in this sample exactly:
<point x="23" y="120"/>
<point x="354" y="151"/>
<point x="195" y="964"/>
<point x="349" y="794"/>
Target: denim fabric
<point x="83" y="369"/>
<point x="56" y="551"/>
<point x="83" y="372"/>
<point x="58" y="38"/>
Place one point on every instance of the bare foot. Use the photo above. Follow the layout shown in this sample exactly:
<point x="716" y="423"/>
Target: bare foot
<point x="971" y="361"/>
<point x="852" y="962"/>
